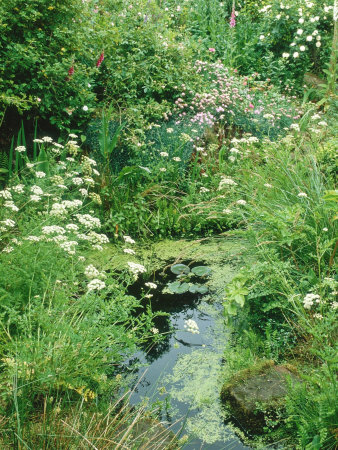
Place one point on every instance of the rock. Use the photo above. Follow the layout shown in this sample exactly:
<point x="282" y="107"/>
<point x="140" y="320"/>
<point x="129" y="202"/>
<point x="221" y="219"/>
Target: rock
<point x="150" y="434"/>
<point x="313" y="80"/>
<point x="258" y="392"/>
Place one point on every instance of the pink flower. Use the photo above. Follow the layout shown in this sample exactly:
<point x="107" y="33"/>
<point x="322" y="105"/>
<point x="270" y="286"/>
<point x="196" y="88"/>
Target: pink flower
<point x="212" y="50"/>
<point x="99" y="61"/>
<point x="70" y="73"/>
<point x="233" y="18"/>
<point x="251" y="105"/>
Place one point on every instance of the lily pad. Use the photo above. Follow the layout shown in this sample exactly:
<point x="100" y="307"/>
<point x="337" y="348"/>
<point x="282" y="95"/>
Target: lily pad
<point x="177" y="287"/>
<point x="201" y="271"/>
<point x="178" y="269"/>
<point x="198" y="289"/>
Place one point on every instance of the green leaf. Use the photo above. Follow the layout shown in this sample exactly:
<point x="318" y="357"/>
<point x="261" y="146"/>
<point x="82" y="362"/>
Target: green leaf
<point x="179" y="269"/>
<point x="201" y="271"/>
<point x="178" y="288"/>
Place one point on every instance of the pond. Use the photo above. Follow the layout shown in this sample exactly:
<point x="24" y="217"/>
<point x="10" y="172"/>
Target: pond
<point x="184" y="370"/>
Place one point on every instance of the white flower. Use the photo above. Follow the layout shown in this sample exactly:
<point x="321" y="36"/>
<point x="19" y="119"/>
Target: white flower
<point x="170" y="130"/>
<point x="164" y="154"/>
<point x="294" y="126"/>
<point x="47" y="139"/>
<point x="325" y="229"/>
<point x="128" y="239"/>
<point x="302" y="194"/>
<point x="96" y="285"/>
<point x="83" y="192"/>
<point x="234" y="150"/>
<point x="150" y="285"/>
<point x="154" y="330"/>
<point x="241" y="202"/>
<point x="69" y="246"/>
<point x="301" y="20"/>
<point x="38" y="141"/>
<point x="58" y="209"/>
<point x="35" y="198"/>
<point x="85" y="108"/>
<point x="191" y="326"/>
<point x="299" y="31"/>
<point x="302" y="48"/>
<point x="318" y="44"/>
<point x="309" y="38"/>
<point x="8" y="223"/>
<point x="163" y="169"/>
<point x="295" y="54"/>
<point x="204" y="189"/>
<point x="322" y="123"/>
<point x="77" y="181"/>
<point x="136" y="268"/>
<point x="36" y="190"/>
<point x="88" y="221"/>
<point x="7" y="249"/>
<point x="268" y="185"/>
<point x="40" y="174"/>
<point x="19" y="188"/>
<point x="227" y="211"/>
<point x="91" y="272"/>
<point x="72" y="227"/>
<point x="53" y="229"/>
<point x="6" y="194"/>
<point x="262" y="37"/>
<point x="11" y="205"/>
<point x="20" y="149"/>
<point x="176" y="158"/>
<point x="226" y="181"/>
<point x="73" y="136"/>
<point x="309" y="300"/>
<point x="129" y="251"/>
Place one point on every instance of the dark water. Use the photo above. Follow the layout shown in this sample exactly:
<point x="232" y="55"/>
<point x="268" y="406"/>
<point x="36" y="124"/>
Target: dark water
<point x="183" y="370"/>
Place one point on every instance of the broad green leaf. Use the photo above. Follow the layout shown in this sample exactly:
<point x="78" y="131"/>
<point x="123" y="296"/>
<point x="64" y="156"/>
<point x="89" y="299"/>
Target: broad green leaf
<point x="201" y="271"/>
<point x="178" y="269"/>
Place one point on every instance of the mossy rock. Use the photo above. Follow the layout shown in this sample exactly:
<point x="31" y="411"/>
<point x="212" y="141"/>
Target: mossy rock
<point x="151" y="434"/>
<point x="257" y="393"/>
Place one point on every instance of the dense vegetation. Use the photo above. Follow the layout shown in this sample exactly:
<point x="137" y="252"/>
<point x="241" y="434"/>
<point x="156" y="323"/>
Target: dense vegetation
<point x="124" y="122"/>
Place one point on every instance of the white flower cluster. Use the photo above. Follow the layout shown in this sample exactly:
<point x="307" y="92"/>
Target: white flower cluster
<point x="72" y="227"/>
<point x="20" y="149"/>
<point x="226" y="181"/>
<point x="18" y="189"/>
<point x="88" y="221"/>
<point x="36" y="190"/>
<point x="11" y="205"/>
<point x="72" y="204"/>
<point x="77" y="181"/>
<point x="58" y="210"/>
<point x="309" y="300"/>
<point x="91" y="272"/>
<point x="40" y="174"/>
<point x="128" y="240"/>
<point x="191" y="326"/>
<point x="136" y="268"/>
<point x="129" y="251"/>
<point x="150" y="285"/>
<point x="53" y="229"/>
<point x="6" y="194"/>
<point x="96" y="285"/>
<point x="69" y="246"/>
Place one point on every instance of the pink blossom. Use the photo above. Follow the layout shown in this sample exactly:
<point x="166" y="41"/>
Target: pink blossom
<point x="233" y="18"/>
<point x="212" y="50"/>
<point x="99" y="61"/>
<point x="251" y="105"/>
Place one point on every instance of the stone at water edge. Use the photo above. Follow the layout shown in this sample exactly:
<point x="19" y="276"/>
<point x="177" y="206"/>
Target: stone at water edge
<point x="255" y="392"/>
